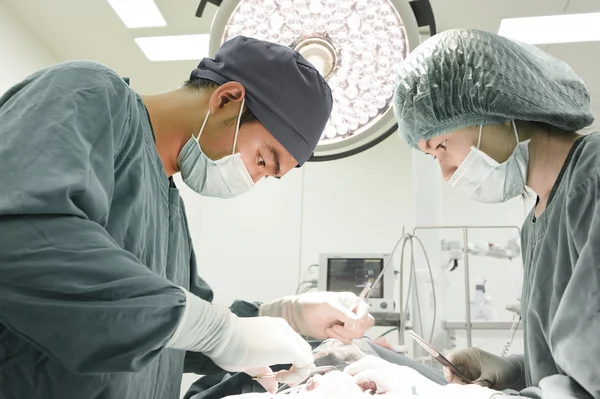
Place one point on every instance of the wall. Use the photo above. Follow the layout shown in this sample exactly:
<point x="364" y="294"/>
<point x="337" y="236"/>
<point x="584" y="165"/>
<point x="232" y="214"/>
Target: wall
<point x="504" y="277"/>
<point x="21" y="53"/>
<point x="249" y="247"/>
<point x="258" y="246"/>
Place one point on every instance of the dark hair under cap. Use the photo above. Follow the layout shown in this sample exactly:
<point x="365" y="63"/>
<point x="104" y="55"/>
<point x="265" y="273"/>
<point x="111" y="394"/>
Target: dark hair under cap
<point x="285" y="92"/>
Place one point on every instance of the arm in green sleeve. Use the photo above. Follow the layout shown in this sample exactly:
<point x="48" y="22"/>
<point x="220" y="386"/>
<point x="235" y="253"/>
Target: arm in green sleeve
<point x="65" y="285"/>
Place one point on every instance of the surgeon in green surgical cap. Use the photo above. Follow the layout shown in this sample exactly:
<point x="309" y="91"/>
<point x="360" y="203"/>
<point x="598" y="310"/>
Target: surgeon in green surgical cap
<point x="500" y="116"/>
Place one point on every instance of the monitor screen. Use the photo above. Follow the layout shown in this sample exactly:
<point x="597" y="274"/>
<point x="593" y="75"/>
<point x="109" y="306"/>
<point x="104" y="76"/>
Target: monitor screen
<point x="352" y="274"/>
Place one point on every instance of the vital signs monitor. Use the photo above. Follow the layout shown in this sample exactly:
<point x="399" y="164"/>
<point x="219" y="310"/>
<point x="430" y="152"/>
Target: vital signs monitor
<point x="351" y="272"/>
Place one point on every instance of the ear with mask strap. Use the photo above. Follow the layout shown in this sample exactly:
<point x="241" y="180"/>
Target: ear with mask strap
<point x="485" y="180"/>
<point x="224" y="178"/>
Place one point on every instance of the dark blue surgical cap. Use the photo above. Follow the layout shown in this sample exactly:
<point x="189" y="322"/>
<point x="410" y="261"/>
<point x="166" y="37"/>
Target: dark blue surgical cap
<point x="283" y="90"/>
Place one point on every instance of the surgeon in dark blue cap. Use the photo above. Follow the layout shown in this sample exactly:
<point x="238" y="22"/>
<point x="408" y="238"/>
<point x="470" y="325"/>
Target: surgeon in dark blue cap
<point x="276" y="105"/>
<point x="100" y="296"/>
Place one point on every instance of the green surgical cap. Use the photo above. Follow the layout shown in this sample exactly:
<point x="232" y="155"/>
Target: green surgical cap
<point x="462" y="78"/>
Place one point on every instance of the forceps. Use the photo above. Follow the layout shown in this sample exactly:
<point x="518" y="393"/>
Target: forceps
<point x="445" y="362"/>
<point x="316" y="370"/>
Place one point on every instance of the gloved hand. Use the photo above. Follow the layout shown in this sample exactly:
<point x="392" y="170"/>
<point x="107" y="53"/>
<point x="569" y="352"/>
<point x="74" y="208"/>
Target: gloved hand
<point x="479" y="365"/>
<point x="381" y="376"/>
<point x="322" y="315"/>
<point x="376" y="374"/>
<point x="257" y="342"/>
<point x="249" y="345"/>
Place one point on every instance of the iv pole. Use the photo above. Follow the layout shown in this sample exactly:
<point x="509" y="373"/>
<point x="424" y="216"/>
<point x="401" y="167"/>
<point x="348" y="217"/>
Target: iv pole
<point x="465" y="230"/>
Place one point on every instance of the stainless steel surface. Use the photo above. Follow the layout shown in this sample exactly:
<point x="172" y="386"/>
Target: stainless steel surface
<point x="316" y="370"/>
<point x="440" y="358"/>
<point x="467" y="285"/>
<point x="467" y="324"/>
<point x="389" y="320"/>
<point x="480" y="325"/>
<point x="391" y="316"/>
<point x="464" y="227"/>
<point x="430" y="349"/>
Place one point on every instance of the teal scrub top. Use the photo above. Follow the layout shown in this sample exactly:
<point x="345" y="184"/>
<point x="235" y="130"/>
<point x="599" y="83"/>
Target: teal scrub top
<point x="561" y="288"/>
<point x="93" y="243"/>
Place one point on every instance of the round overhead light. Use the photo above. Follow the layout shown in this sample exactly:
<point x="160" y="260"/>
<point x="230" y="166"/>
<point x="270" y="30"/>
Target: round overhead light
<point x="357" y="45"/>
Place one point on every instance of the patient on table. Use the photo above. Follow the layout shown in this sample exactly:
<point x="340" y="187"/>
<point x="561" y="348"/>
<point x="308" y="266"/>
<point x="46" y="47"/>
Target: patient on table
<point x="358" y="374"/>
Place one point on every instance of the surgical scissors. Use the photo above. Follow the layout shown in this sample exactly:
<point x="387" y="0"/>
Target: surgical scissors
<point x="446" y="363"/>
<point x="285" y="388"/>
<point x="316" y="370"/>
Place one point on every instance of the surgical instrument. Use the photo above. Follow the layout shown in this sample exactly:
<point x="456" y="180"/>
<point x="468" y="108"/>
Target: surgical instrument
<point x="445" y="362"/>
<point x="363" y="294"/>
<point x="316" y="370"/>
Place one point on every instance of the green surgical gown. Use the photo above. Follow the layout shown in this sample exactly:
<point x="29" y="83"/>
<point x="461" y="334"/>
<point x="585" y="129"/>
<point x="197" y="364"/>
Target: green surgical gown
<point x="93" y="243"/>
<point x="561" y="288"/>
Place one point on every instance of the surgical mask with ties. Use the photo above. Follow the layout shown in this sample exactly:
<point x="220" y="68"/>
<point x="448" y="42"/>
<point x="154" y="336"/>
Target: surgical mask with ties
<point x="485" y="180"/>
<point x="224" y="178"/>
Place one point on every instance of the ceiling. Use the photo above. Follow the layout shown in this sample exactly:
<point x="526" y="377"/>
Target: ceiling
<point x="90" y="29"/>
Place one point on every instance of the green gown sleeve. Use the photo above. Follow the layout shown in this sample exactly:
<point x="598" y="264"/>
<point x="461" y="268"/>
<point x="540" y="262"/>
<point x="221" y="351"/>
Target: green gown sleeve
<point x="65" y="285"/>
<point x="574" y="334"/>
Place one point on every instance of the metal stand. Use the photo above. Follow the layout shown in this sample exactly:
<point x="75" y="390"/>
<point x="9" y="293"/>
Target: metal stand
<point x="465" y="230"/>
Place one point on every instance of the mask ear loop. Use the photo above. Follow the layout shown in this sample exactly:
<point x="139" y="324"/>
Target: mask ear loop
<point x="202" y="128"/>
<point x="515" y="130"/>
<point x="479" y="139"/>
<point x="518" y="142"/>
<point x="237" y="128"/>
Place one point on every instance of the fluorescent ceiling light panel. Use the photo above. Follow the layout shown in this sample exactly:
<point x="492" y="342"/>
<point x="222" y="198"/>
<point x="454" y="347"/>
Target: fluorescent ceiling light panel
<point x="553" y="29"/>
<point x="138" y="13"/>
<point x="174" y="48"/>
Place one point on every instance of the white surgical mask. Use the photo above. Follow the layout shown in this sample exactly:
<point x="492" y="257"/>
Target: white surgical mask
<point x="225" y="178"/>
<point x="485" y="180"/>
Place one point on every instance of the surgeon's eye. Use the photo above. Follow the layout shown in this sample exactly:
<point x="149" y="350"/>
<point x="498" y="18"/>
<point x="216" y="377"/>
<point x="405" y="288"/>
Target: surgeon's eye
<point x="441" y="145"/>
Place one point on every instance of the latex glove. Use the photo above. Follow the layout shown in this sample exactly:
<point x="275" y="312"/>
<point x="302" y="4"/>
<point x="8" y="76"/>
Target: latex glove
<point x="376" y="374"/>
<point x="248" y="345"/>
<point x="477" y="365"/>
<point x="323" y="315"/>
<point x="257" y="342"/>
<point x="269" y="384"/>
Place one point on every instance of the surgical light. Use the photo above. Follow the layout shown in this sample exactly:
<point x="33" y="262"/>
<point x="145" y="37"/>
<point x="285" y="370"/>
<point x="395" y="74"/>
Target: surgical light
<point x="357" y="45"/>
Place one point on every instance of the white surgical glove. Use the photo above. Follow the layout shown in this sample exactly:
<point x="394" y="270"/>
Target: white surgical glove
<point x="376" y="374"/>
<point x="322" y="315"/>
<point x="478" y="365"/>
<point x="248" y="345"/>
<point x="381" y="376"/>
